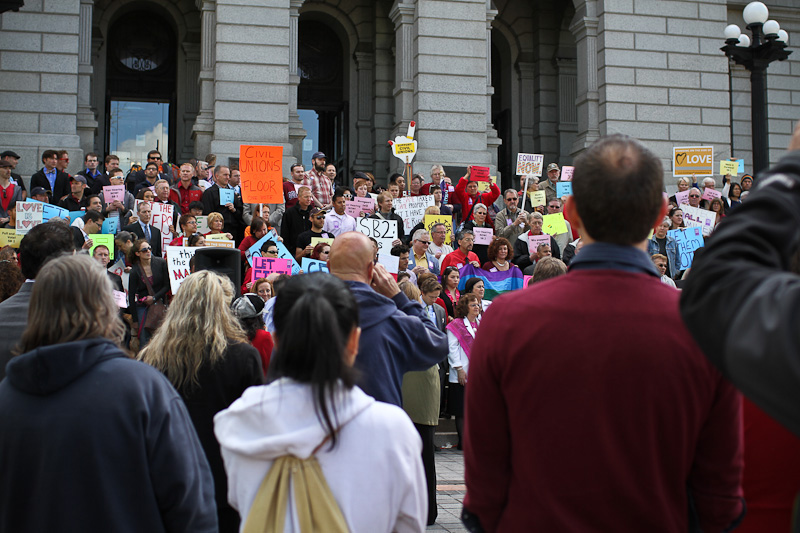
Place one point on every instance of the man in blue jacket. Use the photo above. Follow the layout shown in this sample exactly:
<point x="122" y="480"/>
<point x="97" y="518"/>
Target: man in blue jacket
<point x="396" y="334"/>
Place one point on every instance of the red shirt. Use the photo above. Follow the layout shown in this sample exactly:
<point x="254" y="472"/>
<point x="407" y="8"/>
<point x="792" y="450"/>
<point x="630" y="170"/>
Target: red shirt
<point x="289" y="194"/>
<point x="467" y="201"/>
<point x="263" y="343"/>
<point x="183" y="196"/>
<point x="457" y="259"/>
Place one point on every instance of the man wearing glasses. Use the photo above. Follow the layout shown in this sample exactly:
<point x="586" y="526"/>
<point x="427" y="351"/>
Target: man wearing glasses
<point x="437" y="247"/>
<point x="154" y="157"/>
<point x="303" y="245"/>
<point x="694" y="197"/>
<point x="510" y="222"/>
<point x="421" y="260"/>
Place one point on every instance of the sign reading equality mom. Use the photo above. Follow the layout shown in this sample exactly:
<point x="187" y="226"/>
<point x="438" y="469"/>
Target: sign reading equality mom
<point x="690" y="160"/>
<point x="261" y="169"/>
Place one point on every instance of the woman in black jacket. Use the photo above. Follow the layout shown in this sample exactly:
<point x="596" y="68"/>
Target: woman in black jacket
<point x="139" y="297"/>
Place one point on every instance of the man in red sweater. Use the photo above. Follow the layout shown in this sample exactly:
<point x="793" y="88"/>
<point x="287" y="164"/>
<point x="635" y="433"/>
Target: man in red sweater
<point x="617" y="429"/>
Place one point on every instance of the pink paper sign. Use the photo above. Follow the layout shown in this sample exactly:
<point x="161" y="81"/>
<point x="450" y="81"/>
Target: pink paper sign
<point x="525" y="280"/>
<point x="710" y="194"/>
<point x="483" y="235"/>
<point x="535" y="240"/>
<point x="479" y="174"/>
<point x="566" y="173"/>
<point x="121" y="299"/>
<point x="352" y="208"/>
<point x="682" y="197"/>
<point x="367" y="203"/>
<point x="263" y="266"/>
<point x="113" y="193"/>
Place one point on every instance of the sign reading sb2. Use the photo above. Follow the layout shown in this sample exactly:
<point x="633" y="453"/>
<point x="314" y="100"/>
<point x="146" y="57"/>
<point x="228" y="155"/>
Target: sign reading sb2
<point x="383" y="231"/>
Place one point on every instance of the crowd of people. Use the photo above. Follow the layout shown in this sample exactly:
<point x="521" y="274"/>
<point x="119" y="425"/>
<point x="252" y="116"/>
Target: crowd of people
<point x="234" y="416"/>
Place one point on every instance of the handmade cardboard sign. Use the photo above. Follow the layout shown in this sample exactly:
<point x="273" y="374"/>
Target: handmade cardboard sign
<point x="483" y="235"/>
<point x="554" y="224"/>
<point x="226" y="196"/>
<point x="563" y="189"/>
<point x="264" y="266"/>
<point x="689" y="160"/>
<point x="112" y="193"/>
<point x="10" y="237"/>
<point x="316" y="240"/>
<point x="107" y="240"/>
<point x="534" y="241"/>
<point x="202" y="224"/>
<point x="479" y="173"/>
<point x="120" y="298"/>
<point x="53" y="211"/>
<point x="729" y="167"/>
<point x="383" y="231"/>
<point x="529" y="164"/>
<point x="178" y="259"/>
<point x="710" y="194"/>
<point x="261" y="169"/>
<point x="682" y="197"/>
<point x="447" y="220"/>
<point x="110" y="225"/>
<point x="29" y="214"/>
<point x="688" y="241"/>
<point x="313" y="265"/>
<point x="566" y="173"/>
<point x="538" y="198"/>
<point x="694" y="217"/>
<point x="411" y="209"/>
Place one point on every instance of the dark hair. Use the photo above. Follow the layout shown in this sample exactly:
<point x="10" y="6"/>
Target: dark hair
<point x="267" y="245"/>
<point x="185" y="219"/>
<point x="428" y="283"/>
<point x="256" y="225"/>
<point x="462" y="305"/>
<point x="110" y="157"/>
<point x="114" y="171"/>
<point x="92" y="216"/>
<point x="140" y="194"/>
<point x="614" y="174"/>
<point x="47" y="154"/>
<point x="92" y="197"/>
<point x="338" y="193"/>
<point x="123" y="236"/>
<point x="491" y="253"/>
<point x="735" y="184"/>
<point x="393" y="178"/>
<point x="433" y="188"/>
<point x="151" y="152"/>
<point x="151" y="164"/>
<point x="327" y="310"/>
<point x="192" y="241"/>
<point x="401" y="276"/>
<point x="132" y="257"/>
<point x="279" y="281"/>
<point x="196" y="205"/>
<point x="470" y="284"/>
<point x="446" y="274"/>
<point x="399" y="250"/>
<point x="90" y="154"/>
<point x="11" y="279"/>
<point x="291" y="168"/>
<point x="43" y="242"/>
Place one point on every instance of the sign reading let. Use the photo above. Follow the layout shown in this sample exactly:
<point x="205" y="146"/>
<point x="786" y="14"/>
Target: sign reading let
<point x="261" y="169"/>
<point x="698" y="160"/>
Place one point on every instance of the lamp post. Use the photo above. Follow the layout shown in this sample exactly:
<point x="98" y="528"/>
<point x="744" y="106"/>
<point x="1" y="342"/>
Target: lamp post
<point x="768" y="45"/>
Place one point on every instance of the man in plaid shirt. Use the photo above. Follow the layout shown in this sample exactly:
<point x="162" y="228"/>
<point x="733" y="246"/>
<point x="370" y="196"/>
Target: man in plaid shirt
<point x="321" y="186"/>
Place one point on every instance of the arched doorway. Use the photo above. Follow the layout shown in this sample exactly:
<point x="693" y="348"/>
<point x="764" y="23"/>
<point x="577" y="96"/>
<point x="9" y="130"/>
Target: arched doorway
<point x="321" y="102"/>
<point x="141" y="74"/>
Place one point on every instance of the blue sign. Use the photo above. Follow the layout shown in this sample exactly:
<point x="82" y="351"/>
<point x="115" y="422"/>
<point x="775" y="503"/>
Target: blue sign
<point x="563" y="188"/>
<point x="688" y="240"/>
<point x="283" y="252"/>
<point x="52" y="211"/>
<point x="313" y="265"/>
<point x="741" y="165"/>
<point x="75" y="214"/>
<point x="110" y="225"/>
<point x="225" y="196"/>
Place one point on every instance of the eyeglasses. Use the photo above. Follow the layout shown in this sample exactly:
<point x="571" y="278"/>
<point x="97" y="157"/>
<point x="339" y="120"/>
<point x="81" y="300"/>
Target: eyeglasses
<point x="694" y="196"/>
<point x="154" y="158"/>
<point x="142" y="250"/>
<point x="271" y="252"/>
<point x="64" y="159"/>
<point x="320" y="217"/>
<point x="424" y="243"/>
<point x="511" y="199"/>
<point x="191" y="223"/>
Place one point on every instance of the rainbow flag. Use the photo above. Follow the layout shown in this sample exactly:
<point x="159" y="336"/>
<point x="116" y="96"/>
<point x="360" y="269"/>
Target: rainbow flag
<point x="494" y="283"/>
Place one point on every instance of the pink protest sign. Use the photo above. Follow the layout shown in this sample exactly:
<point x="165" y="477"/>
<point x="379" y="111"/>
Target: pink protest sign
<point x="535" y="240"/>
<point x="566" y="173"/>
<point x="121" y="299"/>
<point x="114" y="193"/>
<point x="367" y="203"/>
<point x="479" y="174"/>
<point x="525" y="280"/>
<point x="264" y="266"/>
<point x="710" y="194"/>
<point x="682" y="197"/>
<point x="352" y="208"/>
<point x="483" y="235"/>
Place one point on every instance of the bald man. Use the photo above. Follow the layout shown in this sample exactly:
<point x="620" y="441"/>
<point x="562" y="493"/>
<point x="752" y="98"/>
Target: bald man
<point x="396" y="334"/>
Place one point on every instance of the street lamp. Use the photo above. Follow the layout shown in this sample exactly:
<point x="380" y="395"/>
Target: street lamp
<point x="768" y="44"/>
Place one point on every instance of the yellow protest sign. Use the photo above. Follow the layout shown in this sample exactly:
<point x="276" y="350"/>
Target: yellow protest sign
<point x="484" y="186"/>
<point x="106" y="240"/>
<point x="554" y="224"/>
<point x="537" y="198"/>
<point x="406" y="148"/>
<point x="690" y="160"/>
<point x="729" y="167"/>
<point x="217" y="237"/>
<point x="220" y="243"/>
<point x="447" y="220"/>
<point x="10" y="237"/>
<point x="316" y="240"/>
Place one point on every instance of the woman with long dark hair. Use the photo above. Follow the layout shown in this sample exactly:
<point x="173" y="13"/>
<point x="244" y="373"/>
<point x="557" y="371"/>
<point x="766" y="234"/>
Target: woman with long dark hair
<point x="148" y="285"/>
<point x="311" y="427"/>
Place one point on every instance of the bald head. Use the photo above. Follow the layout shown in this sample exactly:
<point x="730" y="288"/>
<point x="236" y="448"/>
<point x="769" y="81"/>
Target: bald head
<point x="351" y="257"/>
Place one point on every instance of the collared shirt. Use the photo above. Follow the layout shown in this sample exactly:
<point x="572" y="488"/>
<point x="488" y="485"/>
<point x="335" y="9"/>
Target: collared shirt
<point x="321" y="186"/>
<point x="421" y="261"/>
<point x="338" y="224"/>
<point x="607" y="256"/>
<point x="146" y="230"/>
<point x="51" y="177"/>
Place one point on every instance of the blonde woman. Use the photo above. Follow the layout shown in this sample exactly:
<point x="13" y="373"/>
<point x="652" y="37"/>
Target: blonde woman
<point x="81" y="423"/>
<point x="202" y="350"/>
<point x="215" y="225"/>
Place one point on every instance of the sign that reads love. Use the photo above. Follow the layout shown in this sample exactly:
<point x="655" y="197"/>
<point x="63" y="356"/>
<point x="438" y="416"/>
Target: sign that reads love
<point x="29" y="214"/>
<point x="261" y="170"/>
<point x="697" y="160"/>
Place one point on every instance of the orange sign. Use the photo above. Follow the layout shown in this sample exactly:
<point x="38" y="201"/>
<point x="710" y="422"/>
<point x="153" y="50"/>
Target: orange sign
<point x="261" y="170"/>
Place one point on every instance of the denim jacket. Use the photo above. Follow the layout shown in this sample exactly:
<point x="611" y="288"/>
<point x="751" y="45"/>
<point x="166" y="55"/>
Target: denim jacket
<point x="672" y="253"/>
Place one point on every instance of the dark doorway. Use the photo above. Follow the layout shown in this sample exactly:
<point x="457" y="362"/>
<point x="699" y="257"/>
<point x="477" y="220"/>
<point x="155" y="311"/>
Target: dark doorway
<point x="141" y="87"/>
<point x="501" y="115"/>
<point x="321" y="95"/>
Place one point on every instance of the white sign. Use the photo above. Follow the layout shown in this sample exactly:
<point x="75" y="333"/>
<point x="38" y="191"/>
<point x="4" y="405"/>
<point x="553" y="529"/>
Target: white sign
<point x="383" y="231"/>
<point x="694" y="217"/>
<point x="391" y="262"/>
<point x="412" y="209"/>
<point x="529" y="164"/>
<point x="178" y="259"/>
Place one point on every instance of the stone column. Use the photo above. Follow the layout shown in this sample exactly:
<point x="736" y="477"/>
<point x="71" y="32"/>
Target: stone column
<point x="402" y="15"/>
<point x="584" y="28"/>
<point x="296" y="131"/>
<point x="203" y="130"/>
<point x="86" y="123"/>
<point x="191" y="103"/>
<point x="365" y="61"/>
<point x="492" y="140"/>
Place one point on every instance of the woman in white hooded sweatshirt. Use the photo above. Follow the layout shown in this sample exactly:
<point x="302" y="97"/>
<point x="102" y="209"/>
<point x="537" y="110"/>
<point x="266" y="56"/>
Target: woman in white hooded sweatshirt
<point x="368" y="452"/>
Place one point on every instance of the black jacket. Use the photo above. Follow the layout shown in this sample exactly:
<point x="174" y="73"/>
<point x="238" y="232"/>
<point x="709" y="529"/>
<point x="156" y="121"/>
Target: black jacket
<point x="61" y="188"/>
<point x="234" y="224"/>
<point x="522" y="257"/>
<point x="294" y="223"/>
<point x="741" y="301"/>
<point x="137" y="288"/>
<point x="80" y="424"/>
<point x="155" y="236"/>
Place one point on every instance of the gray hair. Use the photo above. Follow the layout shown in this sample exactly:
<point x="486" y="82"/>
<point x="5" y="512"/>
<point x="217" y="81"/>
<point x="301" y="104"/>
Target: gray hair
<point x="434" y="168"/>
<point x="480" y="205"/>
<point x="536" y="215"/>
<point x="508" y="191"/>
<point x="420" y="233"/>
<point x="463" y="233"/>
<point x="433" y="228"/>
<point x="709" y="179"/>
<point x="685" y="180"/>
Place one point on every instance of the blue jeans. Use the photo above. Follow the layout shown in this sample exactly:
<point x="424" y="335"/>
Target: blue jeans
<point x="144" y="335"/>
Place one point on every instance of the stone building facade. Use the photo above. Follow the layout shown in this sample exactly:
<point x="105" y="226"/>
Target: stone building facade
<point x="483" y="79"/>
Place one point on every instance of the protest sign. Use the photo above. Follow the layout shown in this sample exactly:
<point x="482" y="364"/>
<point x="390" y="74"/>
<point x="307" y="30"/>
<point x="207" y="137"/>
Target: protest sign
<point x="74" y="215"/>
<point x="483" y="235"/>
<point x="112" y="193"/>
<point x="110" y="226"/>
<point x="694" y="217"/>
<point x="563" y="189"/>
<point x="688" y="160"/>
<point x="220" y="243"/>
<point x="264" y="266"/>
<point x="741" y="165"/>
<point x="535" y="240"/>
<point x="404" y="147"/>
<point x="161" y="218"/>
<point x="313" y="265"/>
<point x="566" y="173"/>
<point x="710" y="194"/>
<point x="682" y="197"/>
<point x="529" y="164"/>
<point x="486" y="186"/>
<point x="53" y="211"/>
<point x="391" y="262"/>
<point x="538" y="198"/>
<point x="383" y="231"/>
<point x="178" y="258"/>
<point x="255" y="250"/>
<point x="217" y="237"/>
<point x="479" y="173"/>
<point x="226" y="196"/>
<point x="367" y="203"/>
<point x="98" y="239"/>
<point x="284" y="253"/>
<point x="316" y="240"/>
<point x="9" y="237"/>
<point x="729" y="167"/>
<point x="29" y="214"/>
<point x="118" y="268"/>
<point x="688" y="240"/>
<point x="261" y="169"/>
<point x="554" y="224"/>
<point x="203" y="184"/>
<point x="202" y="224"/>
<point x="120" y="298"/>
<point x="352" y="208"/>
<point x="447" y="220"/>
<point x="412" y="209"/>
